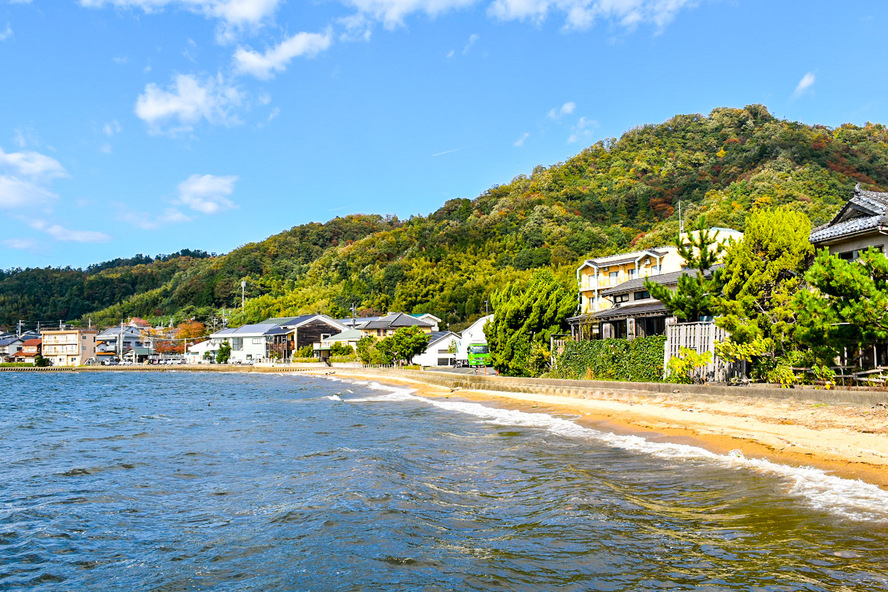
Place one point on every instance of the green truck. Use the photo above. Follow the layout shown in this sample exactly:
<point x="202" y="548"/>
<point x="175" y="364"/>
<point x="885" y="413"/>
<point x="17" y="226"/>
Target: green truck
<point x="479" y="355"/>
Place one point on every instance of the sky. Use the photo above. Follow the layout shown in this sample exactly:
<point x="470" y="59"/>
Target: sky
<point x="149" y="126"/>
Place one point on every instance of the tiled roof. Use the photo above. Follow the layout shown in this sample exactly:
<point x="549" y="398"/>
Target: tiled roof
<point x="647" y="308"/>
<point x="666" y="279"/>
<point x="847" y="228"/>
<point x="394" y="321"/>
<point x="865" y="211"/>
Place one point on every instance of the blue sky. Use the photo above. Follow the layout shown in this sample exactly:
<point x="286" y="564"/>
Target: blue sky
<point x="148" y="126"/>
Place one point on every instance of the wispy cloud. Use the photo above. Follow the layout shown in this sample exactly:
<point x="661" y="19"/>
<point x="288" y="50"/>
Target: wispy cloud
<point x="6" y="33"/>
<point x="565" y="109"/>
<point x="582" y="14"/>
<point x="22" y="244"/>
<point x="187" y="101"/>
<point x="520" y="141"/>
<point x="207" y="193"/>
<point x="446" y="152"/>
<point x="391" y="13"/>
<point x="233" y="15"/>
<point x="25" y="179"/>
<point x="804" y="84"/>
<point x="265" y="65"/>
<point x="60" y="233"/>
<point x="583" y="129"/>
<point x="147" y="221"/>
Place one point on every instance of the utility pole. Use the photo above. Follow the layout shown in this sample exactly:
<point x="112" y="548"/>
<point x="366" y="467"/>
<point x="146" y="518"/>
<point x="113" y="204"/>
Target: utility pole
<point x="243" y="293"/>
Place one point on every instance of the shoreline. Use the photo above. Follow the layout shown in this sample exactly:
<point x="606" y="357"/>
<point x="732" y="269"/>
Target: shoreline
<point x="844" y="433"/>
<point x="842" y="440"/>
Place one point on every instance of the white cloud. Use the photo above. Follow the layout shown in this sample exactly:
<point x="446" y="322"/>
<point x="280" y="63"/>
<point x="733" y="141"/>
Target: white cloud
<point x="186" y="102"/>
<point x="520" y="141"/>
<point x="146" y="221"/>
<point x="392" y="12"/>
<point x="207" y="193"/>
<point x="804" y="84"/>
<point x="582" y="14"/>
<point x="472" y="40"/>
<point x="7" y="33"/>
<point x="264" y="65"/>
<point x="18" y="194"/>
<point x="60" y="233"/>
<point x="111" y="128"/>
<point x="22" y="244"/>
<point x="583" y="129"/>
<point x="566" y="109"/>
<point x="234" y="14"/>
<point x="24" y="180"/>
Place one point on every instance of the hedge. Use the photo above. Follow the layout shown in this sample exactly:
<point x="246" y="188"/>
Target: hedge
<point x="639" y="360"/>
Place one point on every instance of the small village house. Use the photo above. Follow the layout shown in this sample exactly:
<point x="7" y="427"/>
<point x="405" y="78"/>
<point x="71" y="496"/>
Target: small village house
<point x="861" y="223"/>
<point x="441" y="350"/>
<point x="31" y="348"/>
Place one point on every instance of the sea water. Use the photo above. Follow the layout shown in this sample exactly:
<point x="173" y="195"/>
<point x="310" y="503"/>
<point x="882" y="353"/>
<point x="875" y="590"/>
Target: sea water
<point x="212" y="481"/>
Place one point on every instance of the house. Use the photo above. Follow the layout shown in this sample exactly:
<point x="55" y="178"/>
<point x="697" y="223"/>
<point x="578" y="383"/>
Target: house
<point x="861" y="223"/>
<point x="474" y="333"/>
<point x="633" y="312"/>
<point x="349" y="337"/>
<point x="441" y="350"/>
<point x="275" y="339"/>
<point x="10" y="345"/>
<point x="197" y="353"/>
<point x="384" y="326"/>
<point x="434" y="321"/>
<point x="68" y="347"/>
<point x="609" y="282"/>
<point x="31" y="348"/>
<point x="115" y="342"/>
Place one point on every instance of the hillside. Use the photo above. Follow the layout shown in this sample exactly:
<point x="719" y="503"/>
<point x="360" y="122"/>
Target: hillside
<point x="615" y="195"/>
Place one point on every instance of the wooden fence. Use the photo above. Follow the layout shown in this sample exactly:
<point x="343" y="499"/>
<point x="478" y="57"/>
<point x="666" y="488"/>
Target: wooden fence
<point x="701" y="338"/>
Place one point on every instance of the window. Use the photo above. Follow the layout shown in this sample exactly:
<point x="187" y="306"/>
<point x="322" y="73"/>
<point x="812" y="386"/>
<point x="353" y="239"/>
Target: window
<point x="237" y="343"/>
<point x="258" y="340"/>
<point x="613" y="276"/>
<point x="643" y="295"/>
<point x="620" y="298"/>
<point x="632" y="273"/>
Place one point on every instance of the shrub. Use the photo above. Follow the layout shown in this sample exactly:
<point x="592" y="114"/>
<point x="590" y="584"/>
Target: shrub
<point x="639" y="360"/>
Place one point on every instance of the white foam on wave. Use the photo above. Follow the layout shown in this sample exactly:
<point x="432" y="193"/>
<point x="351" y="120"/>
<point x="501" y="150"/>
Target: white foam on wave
<point x="852" y="499"/>
<point x="335" y="398"/>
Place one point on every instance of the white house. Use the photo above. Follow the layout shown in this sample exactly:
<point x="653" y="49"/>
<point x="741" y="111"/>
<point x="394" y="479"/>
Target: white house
<point x="474" y="333"/>
<point x="275" y="338"/>
<point x="441" y="350"/>
<point x="197" y="352"/>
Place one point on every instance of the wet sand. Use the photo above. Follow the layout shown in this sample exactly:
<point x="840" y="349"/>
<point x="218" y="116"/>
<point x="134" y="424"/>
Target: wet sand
<point x="848" y="441"/>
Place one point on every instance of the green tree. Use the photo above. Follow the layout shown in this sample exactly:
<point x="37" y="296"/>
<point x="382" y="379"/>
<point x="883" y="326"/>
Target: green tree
<point x="761" y="276"/>
<point x="848" y="305"/>
<point x="365" y="347"/>
<point x="224" y="353"/>
<point x="407" y="342"/>
<point x="525" y="314"/>
<point x="694" y="297"/>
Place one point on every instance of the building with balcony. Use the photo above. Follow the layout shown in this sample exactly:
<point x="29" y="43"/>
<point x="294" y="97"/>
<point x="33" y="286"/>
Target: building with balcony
<point x="68" y="347"/>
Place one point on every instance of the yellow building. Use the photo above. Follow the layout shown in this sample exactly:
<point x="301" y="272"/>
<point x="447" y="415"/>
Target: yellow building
<point x="601" y="273"/>
<point x="69" y="347"/>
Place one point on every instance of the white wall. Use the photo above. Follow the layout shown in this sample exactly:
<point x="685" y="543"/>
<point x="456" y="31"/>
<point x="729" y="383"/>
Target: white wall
<point x="473" y="334"/>
<point x="437" y="351"/>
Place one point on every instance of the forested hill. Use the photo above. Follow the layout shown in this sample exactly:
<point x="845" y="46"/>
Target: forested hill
<point x="615" y="195"/>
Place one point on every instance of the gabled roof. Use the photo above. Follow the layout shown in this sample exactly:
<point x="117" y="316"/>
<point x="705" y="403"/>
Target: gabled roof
<point x="866" y="211"/>
<point x="395" y="320"/>
<point x="436" y="336"/>
<point x="666" y="279"/>
<point x="347" y="335"/>
<point x="643" y="308"/>
<point x="621" y="258"/>
<point x="31" y="342"/>
<point x="303" y="319"/>
<point x="8" y="340"/>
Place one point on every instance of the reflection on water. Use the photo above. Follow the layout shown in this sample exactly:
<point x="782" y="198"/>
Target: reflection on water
<point x="183" y="481"/>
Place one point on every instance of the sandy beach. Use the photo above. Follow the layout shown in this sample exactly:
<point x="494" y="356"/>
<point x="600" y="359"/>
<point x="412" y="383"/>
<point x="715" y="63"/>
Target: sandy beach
<point x="850" y="441"/>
